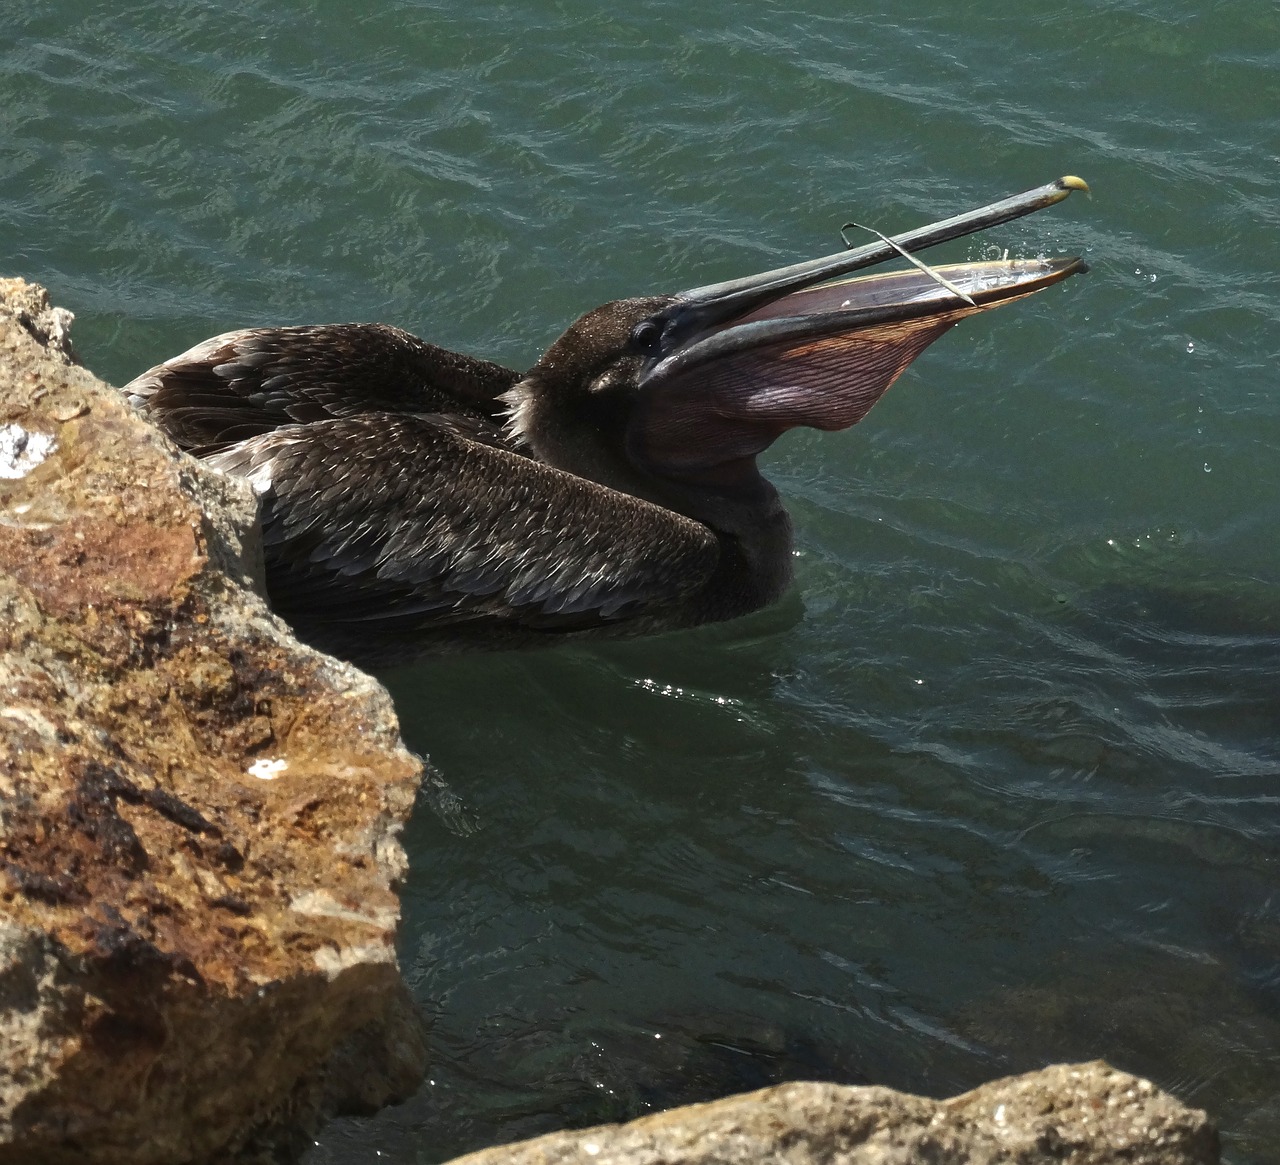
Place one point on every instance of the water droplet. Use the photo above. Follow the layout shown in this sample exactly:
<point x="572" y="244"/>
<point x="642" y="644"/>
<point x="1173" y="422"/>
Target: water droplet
<point x="1206" y="468"/>
<point x="1152" y="278"/>
<point x="1137" y="270"/>
<point x="1190" y="346"/>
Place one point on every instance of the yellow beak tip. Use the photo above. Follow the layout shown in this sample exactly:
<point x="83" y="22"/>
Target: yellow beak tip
<point x="1072" y="182"/>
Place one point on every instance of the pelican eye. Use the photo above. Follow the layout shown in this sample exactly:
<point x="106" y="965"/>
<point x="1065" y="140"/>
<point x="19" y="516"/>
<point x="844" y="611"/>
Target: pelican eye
<point x="646" y="336"/>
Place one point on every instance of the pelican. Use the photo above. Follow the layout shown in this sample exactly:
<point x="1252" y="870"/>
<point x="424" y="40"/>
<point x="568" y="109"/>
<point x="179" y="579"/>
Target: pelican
<point x="416" y="500"/>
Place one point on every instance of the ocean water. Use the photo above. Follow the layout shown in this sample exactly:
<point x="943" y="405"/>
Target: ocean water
<point x="999" y="783"/>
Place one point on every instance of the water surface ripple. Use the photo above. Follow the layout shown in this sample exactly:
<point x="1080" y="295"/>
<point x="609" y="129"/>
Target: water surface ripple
<point x="998" y="784"/>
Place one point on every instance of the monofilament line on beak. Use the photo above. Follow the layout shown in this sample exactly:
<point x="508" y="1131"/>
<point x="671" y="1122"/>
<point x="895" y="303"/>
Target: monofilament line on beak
<point x="910" y="258"/>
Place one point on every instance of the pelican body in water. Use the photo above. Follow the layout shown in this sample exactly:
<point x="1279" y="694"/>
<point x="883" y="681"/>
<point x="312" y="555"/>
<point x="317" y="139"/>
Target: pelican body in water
<point x="416" y="500"/>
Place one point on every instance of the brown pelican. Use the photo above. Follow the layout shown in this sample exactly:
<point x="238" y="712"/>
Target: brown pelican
<point x="417" y="500"/>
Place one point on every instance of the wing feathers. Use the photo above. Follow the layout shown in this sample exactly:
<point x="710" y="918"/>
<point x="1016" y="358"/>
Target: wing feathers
<point x="385" y="518"/>
<point x="242" y="384"/>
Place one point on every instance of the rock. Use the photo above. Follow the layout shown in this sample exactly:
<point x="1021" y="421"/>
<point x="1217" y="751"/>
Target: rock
<point x="198" y="815"/>
<point x="1081" y="1114"/>
<point x="28" y="305"/>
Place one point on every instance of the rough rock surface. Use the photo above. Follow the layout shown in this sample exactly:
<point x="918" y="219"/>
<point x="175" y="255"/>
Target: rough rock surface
<point x="1075" y="1114"/>
<point x="198" y="816"/>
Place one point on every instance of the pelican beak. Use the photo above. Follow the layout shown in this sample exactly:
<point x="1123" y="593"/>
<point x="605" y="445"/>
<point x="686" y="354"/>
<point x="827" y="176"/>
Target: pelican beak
<point x="703" y="307"/>
<point x="743" y="361"/>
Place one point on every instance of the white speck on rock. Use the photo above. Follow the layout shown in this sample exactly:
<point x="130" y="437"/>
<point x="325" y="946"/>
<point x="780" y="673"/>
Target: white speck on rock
<point x="267" y="770"/>
<point x="21" y="451"/>
<point x="591" y="1148"/>
<point x="333" y="962"/>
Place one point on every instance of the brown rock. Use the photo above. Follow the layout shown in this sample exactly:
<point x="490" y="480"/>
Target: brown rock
<point x="1081" y="1114"/>
<point x="198" y="815"/>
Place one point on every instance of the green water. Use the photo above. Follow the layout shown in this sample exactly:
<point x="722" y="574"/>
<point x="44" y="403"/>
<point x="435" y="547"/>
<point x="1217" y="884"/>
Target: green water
<point x="1000" y="783"/>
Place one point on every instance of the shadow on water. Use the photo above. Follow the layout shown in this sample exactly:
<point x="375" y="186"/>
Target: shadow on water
<point x="663" y="875"/>
<point x="530" y="1030"/>
<point x="616" y="1072"/>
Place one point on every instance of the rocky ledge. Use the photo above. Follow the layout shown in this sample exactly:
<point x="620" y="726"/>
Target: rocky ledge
<point x="1069" y="1114"/>
<point x="198" y="815"/>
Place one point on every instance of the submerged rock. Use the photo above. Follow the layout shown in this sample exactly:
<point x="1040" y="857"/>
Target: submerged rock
<point x="1081" y="1114"/>
<point x="198" y="815"/>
